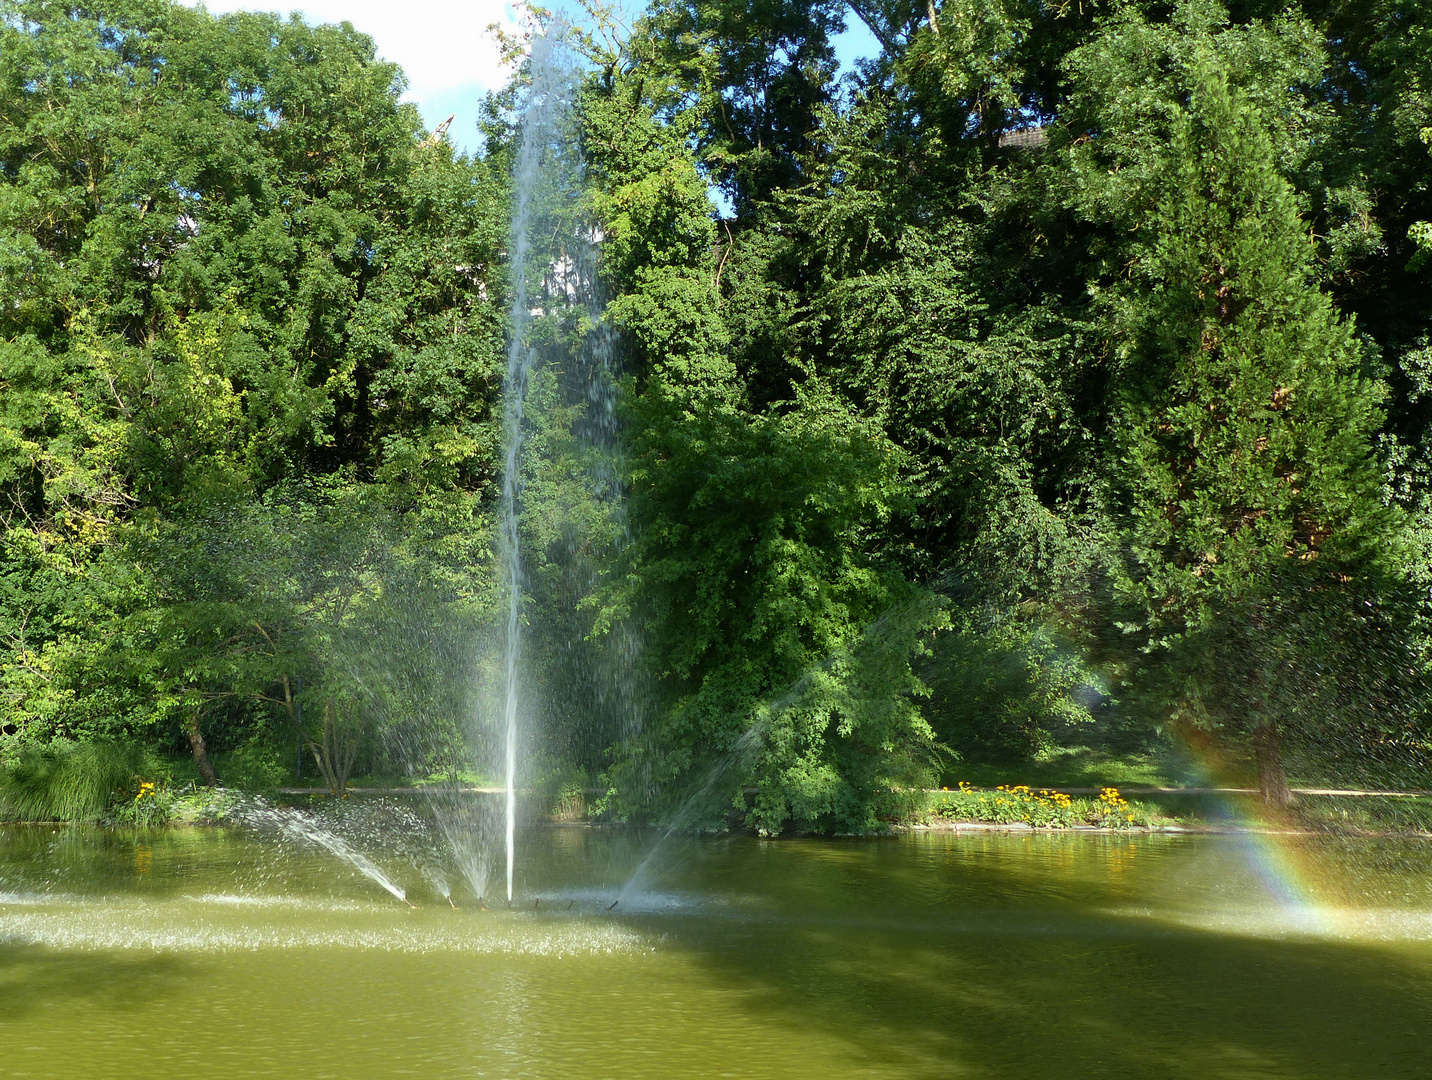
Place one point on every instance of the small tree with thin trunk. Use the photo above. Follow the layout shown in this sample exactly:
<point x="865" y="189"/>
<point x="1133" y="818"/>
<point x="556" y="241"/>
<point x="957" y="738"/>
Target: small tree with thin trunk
<point x="339" y="739"/>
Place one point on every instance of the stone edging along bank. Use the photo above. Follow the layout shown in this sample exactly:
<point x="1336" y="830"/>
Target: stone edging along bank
<point x="1113" y="830"/>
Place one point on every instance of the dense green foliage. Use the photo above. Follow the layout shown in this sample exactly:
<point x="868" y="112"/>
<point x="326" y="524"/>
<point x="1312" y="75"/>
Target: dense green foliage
<point x="73" y="781"/>
<point x="1086" y="293"/>
<point x="243" y="349"/>
<point x="1060" y="375"/>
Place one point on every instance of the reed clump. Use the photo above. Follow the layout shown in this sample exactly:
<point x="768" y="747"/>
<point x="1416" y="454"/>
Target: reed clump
<point x="76" y="781"/>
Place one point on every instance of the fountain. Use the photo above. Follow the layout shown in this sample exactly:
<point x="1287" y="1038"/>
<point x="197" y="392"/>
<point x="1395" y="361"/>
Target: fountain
<point x="547" y="102"/>
<point x="559" y="439"/>
<point x="558" y="342"/>
<point x="296" y="825"/>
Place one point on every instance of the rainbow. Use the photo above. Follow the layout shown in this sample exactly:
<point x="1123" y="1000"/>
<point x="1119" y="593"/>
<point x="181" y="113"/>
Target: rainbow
<point x="1294" y="879"/>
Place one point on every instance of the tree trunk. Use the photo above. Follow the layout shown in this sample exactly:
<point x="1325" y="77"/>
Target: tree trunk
<point x="1272" y="780"/>
<point x="201" y="752"/>
<point x="324" y="755"/>
<point x="341" y="743"/>
<point x="294" y="708"/>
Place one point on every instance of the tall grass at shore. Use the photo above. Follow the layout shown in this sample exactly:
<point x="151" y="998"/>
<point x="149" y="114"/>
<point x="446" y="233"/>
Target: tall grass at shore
<point x="71" y="781"/>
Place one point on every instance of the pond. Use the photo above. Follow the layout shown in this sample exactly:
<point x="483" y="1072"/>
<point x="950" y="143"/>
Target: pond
<point x="975" y="954"/>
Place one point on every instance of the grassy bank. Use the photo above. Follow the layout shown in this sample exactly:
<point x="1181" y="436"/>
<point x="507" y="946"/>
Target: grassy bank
<point x="1074" y="767"/>
<point x="1368" y="813"/>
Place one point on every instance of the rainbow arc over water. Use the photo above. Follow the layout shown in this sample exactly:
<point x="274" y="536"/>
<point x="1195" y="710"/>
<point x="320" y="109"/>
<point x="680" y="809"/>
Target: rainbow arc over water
<point x="1301" y="882"/>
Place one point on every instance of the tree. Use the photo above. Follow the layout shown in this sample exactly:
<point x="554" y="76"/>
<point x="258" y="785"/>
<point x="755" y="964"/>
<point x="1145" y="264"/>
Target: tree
<point x="1257" y="542"/>
<point x="767" y="615"/>
<point x="332" y="608"/>
<point x="759" y="70"/>
<point x="236" y="264"/>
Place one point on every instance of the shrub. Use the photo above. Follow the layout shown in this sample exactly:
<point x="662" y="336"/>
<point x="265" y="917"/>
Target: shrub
<point x="258" y="765"/>
<point x="154" y="803"/>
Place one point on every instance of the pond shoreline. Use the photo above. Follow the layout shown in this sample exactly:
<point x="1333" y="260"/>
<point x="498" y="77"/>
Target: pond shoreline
<point x="439" y="789"/>
<point x="1232" y="811"/>
<point x="896" y="829"/>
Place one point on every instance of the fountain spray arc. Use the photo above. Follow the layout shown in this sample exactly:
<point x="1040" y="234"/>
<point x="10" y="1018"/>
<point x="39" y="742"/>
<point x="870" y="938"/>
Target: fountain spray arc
<point x="537" y="188"/>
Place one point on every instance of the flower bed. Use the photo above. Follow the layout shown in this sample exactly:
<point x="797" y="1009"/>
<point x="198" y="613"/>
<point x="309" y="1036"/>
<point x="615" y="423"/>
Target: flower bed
<point x="1010" y="804"/>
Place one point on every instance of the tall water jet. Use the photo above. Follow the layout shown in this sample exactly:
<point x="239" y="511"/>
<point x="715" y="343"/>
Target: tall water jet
<point x="563" y="693"/>
<point x="542" y="127"/>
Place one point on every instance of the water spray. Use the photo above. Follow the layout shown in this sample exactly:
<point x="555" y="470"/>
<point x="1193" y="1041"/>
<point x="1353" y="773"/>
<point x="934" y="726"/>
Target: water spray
<point x="548" y="99"/>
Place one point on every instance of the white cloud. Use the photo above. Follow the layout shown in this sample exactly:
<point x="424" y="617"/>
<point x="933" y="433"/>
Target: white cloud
<point x="442" y="45"/>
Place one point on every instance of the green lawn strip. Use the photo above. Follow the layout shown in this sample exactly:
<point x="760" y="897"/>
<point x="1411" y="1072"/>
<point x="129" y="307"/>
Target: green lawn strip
<point x="1073" y="768"/>
<point x="1367" y="813"/>
<point x="1011" y="804"/>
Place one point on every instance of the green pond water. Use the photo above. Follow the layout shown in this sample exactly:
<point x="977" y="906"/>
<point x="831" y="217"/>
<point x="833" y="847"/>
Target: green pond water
<point x="213" y="954"/>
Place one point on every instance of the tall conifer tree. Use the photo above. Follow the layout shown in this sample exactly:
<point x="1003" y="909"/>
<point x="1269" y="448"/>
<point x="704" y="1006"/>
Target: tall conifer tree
<point x="1254" y="530"/>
